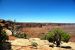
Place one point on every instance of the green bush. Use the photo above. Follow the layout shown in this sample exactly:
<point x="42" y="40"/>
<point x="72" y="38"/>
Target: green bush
<point x="34" y="44"/>
<point x="50" y="35"/>
<point x="21" y="35"/>
<point x="65" y="37"/>
<point x="3" y="36"/>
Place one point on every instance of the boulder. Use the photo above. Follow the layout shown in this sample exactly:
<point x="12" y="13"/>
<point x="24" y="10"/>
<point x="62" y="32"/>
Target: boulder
<point x="8" y="32"/>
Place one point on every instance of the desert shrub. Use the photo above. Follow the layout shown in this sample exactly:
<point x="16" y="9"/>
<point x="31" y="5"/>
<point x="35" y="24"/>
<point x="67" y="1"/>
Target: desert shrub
<point x="3" y="36"/>
<point x="43" y="37"/>
<point x="20" y="35"/>
<point x="65" y="37"/>
<point x="50" y="35"/>
<point x="34" y="44"/>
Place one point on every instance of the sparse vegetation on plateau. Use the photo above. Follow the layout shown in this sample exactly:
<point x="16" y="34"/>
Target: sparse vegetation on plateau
<point x="21" y="35"/>
<point x="34" y="44"/>
<point x="57" y="35"/>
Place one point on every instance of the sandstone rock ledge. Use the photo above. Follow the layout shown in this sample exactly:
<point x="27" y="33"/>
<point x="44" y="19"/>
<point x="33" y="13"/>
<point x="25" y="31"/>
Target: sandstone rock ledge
<point x="25" y="44"/>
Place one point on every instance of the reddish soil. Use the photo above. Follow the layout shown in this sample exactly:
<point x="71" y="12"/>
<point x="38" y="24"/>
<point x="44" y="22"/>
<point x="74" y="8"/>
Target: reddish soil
<point x="11" y="37"/>
<point x="72" y="39"/>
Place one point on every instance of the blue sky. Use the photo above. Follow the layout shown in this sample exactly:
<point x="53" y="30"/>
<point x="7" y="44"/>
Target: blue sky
<point x="57" y="11"/>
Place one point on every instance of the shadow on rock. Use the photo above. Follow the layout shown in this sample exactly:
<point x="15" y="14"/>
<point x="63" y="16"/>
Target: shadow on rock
<point x="67" y="47"/>
<point x="5" y="46"/>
